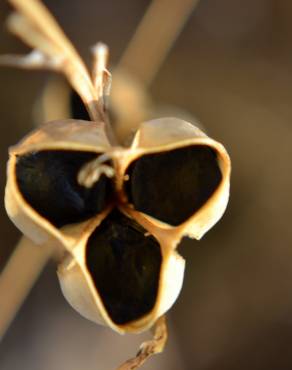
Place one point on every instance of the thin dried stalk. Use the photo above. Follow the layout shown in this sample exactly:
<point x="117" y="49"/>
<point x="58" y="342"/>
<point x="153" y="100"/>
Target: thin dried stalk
<point x="154" y="37"/>
<point x="18" y="277"/>
<point x="102" y="79"/>
<point x="100" y="75"/>
<point x="149" y="348"/>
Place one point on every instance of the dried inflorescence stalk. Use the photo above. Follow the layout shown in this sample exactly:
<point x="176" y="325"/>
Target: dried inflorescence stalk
<point x="117" y="213"/>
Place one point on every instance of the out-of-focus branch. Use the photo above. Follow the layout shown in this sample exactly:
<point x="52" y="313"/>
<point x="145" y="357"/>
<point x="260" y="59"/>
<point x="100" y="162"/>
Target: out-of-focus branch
<point x="18" y="277"/>
<point x="146" y="52"/>
<point x="154" y="37"/>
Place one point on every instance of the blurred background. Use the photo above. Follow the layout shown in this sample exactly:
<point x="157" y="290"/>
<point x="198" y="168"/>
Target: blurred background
<point x="231" y="68"/>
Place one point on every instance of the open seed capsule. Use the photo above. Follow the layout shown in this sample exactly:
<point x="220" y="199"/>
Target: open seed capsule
<point x="120" y="232"/>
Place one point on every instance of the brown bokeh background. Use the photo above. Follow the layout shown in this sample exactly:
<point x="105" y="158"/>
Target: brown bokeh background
<point x="231" y="68"/>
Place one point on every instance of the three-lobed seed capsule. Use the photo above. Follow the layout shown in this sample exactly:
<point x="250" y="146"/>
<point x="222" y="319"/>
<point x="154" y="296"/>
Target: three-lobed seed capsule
<point x="121" y="231"/>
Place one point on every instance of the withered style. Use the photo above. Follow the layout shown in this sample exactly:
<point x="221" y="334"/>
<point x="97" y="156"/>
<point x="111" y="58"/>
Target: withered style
<point x="117" y="212"/>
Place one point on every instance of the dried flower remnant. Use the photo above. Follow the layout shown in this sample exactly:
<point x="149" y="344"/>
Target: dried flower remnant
<point x="117" y="212"/>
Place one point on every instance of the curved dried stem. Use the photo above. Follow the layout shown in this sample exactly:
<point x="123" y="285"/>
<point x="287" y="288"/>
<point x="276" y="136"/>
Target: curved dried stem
<point x="22" y="270"/>
<point x="149" y="348"/>
<point x="90" y="173"/>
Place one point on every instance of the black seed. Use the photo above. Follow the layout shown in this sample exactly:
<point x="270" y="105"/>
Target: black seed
<point x="125" y="267"/>
<point x="78" y="109"/>
<point x="48" y="182"/>
<point x="171" y="186"/>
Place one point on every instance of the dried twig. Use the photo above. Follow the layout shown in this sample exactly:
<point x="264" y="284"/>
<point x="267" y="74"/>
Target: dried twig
<point x="149" y="348"/>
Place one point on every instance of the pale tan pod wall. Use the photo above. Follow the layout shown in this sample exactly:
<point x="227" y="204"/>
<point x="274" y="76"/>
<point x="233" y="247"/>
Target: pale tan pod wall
<point x="75" y="281"/>
<point x="87" y="133"/>
<point x="75" y="288"/>
<point x="129" y="103"/>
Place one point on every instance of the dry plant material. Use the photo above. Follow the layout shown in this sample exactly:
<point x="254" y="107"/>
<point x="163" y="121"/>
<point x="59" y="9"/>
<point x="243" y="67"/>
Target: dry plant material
<point x="117" y="213"/>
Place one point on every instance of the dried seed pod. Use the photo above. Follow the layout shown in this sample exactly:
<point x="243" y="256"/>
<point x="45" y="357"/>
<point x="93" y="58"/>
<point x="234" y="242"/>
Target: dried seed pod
<point x="173" y="180"/>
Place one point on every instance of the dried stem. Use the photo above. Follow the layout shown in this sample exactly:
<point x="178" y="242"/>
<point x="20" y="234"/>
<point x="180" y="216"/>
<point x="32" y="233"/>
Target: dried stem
<point x="36" y="26"/>
<point x="102" y="79"/>
<point x="18" y="277"/>
<point x="155" y="35"/>
<point x="149" y="348"/>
